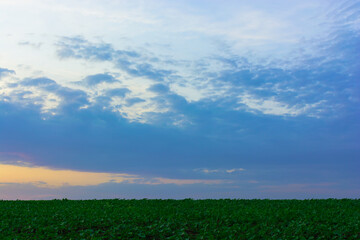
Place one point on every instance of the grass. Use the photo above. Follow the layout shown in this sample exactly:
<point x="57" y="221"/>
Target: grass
<point x="180" y="219"/>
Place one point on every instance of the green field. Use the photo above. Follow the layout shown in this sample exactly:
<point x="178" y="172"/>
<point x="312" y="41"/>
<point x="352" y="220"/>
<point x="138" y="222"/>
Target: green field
<point x="180" y="219"/>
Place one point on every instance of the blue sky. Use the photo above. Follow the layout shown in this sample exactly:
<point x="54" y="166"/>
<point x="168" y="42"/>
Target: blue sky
<point x="178" y="99"/>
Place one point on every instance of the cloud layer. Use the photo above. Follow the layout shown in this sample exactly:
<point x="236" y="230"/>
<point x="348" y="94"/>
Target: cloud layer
<point x="252" y="97"/>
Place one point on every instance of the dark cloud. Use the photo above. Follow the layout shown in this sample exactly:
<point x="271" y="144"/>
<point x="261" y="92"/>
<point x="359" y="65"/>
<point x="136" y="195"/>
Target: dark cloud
<point x="71" y="99"/>
<point x="22" y="94"/>
<point x="77" y="47"/>
<point x="38" y="82"/>
<point x="96" y="79"/>
<point x="104" y="100"/>
<point x="5" y="71"/>
<point x="101" y="140"/>
<point x="117" y="92"/>
<point x="159" y="88"/>
<point x="132" y="101"/>
<point x="125" y="53"/>
<point x="143" y="70"/>
<point x="132" y="62"/>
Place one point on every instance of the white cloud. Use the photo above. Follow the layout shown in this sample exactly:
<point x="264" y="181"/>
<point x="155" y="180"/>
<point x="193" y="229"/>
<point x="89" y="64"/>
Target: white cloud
<point x="209" y="171"/>
<point x="235" y="170"/>
<point x="192" y="35"/>
<point x="271" y="106"/>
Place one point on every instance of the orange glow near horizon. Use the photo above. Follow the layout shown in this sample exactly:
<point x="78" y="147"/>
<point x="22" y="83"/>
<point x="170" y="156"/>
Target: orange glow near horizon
<point x="53" y="178"/>
<point x="23" y="173"/>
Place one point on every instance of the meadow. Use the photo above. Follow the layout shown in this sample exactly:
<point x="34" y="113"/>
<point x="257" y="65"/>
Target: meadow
<point x="180" y="219"/>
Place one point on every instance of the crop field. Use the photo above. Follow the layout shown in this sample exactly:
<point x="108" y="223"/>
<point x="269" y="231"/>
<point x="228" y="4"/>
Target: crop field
<point x="180" y="219"/>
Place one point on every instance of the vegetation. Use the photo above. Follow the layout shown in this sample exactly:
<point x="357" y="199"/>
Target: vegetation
<point x="180" y="219"/>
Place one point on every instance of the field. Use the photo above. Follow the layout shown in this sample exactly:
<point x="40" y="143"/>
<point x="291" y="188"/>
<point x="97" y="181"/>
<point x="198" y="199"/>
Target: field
<point x="180" y="219"/>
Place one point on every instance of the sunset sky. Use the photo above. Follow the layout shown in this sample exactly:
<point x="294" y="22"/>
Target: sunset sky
<point x="179" y="99"/>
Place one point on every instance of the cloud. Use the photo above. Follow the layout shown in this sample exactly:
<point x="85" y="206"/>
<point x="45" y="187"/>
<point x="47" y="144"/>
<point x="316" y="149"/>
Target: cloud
<point x="159" y="88"/>
<point x="81" y="48"/>
<point x="5" y="71"/>
<point x="38" y="82"/>
<point x="51" y="96"/>
<point x="54" y="98"/>
<point x="235" y="170"/>
<point x="31" y="44"/>
<point x="131" y="101"/>
<point x="279" y="90"/>
<point x="205" y="170"/>
<point x="143" y="70"/>
<point x="77" y="47"/>
<point x="304" y="86"/>
<point x="131" y="62"/>
<point x="310" y="89"/>
<point x="220" y="137"/>
<point x="118" y="92"/>
<point x="210" y="170"/>
<point x="96" y="79"/>
<point x="271" y="106"/>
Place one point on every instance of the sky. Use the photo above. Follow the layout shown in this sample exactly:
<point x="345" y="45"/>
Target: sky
<point x="179" y="99"/>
